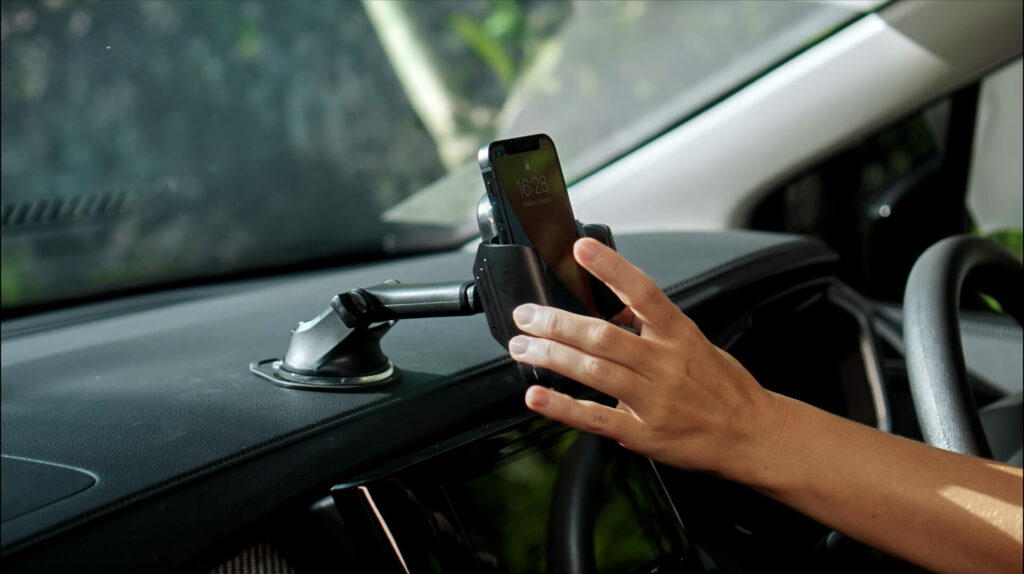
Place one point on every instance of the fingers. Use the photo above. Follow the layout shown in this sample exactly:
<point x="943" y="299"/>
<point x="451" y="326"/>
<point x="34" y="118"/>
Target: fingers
<point x="626" y="317"/>
<point x="587" y="416"/>
<point x="598" y="373"/>
<point x="596" y="336"/>
<point x="636" y="289"/>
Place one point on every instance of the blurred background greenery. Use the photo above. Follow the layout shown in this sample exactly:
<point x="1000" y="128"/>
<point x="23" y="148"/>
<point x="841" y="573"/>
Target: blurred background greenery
<point x="513" y="504"/>
<point x="150" y="143"/>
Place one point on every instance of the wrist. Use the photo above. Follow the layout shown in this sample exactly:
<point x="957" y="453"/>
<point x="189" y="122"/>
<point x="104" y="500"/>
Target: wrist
<point x="763" y="457"/>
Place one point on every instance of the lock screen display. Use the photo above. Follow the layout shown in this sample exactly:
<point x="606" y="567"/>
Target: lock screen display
<point x="538" y="212"/>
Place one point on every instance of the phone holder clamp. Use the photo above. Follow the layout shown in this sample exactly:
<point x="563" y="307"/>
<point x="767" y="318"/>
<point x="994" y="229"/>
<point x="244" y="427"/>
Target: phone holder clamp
<point x="339" y="349"/>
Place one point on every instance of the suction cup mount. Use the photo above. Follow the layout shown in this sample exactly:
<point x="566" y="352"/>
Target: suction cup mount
<point x="339" y="349"/>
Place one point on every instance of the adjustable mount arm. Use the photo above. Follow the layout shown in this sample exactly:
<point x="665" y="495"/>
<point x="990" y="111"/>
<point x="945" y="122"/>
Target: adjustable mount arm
<point x="340" y="348"/>
<point x="393" y="300"/>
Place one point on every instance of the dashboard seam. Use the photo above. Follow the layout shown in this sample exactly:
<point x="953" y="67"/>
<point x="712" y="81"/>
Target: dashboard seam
<point x="678" y="288"/>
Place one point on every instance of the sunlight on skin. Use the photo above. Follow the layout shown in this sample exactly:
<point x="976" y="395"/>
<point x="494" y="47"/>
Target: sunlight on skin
<point x="691" y="405"/>
<point x="1007" y="517"/>
<point x="1011" y="470"/>
<point x="1004" y="516"/>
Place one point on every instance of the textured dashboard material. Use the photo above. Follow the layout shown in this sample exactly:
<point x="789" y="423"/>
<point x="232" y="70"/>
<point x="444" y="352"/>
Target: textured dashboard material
<point x="160" y="406"/>
<point x="49" y="483"/>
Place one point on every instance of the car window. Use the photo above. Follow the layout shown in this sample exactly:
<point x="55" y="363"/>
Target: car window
<point x="952" y="167"/>
<point x="155" y="143"/>
<point x="995" y="192"/>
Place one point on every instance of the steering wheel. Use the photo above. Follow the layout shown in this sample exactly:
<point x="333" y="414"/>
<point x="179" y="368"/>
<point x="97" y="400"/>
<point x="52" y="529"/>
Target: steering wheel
<point x="939" y="384"/>
<point x="574" y="505"/>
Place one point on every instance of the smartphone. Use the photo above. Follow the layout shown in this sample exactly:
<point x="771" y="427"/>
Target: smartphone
<point x="530" y="205"/>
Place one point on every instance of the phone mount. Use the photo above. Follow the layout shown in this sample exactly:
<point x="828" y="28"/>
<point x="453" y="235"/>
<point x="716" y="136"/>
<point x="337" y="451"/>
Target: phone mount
<point x="339" y="349"/>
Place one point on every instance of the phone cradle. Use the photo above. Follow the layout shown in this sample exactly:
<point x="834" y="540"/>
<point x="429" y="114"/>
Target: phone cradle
<point x="339" y="349"/>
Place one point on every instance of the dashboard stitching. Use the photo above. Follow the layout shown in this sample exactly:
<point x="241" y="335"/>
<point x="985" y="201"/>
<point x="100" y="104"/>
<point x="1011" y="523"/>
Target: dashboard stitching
<point x="677" y="288"/>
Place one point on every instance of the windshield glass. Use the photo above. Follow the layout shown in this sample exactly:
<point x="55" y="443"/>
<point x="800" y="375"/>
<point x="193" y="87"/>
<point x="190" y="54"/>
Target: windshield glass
<point x="154" y="143"/>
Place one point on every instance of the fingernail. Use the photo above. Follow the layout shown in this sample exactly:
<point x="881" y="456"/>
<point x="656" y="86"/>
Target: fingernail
<point x="518" y="345"/>
<point x="536" y="397"/>
<point x="586" y="249"/>
<point x="523" y="314"/>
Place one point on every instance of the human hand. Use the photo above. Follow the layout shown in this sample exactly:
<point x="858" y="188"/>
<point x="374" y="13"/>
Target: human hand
<point x="686" y="403"/>
<point x="682" y="400"/>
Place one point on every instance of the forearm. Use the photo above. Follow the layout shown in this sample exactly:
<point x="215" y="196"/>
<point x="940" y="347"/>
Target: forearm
<point x="686" y="403"/>
<point x="943" y="511"/>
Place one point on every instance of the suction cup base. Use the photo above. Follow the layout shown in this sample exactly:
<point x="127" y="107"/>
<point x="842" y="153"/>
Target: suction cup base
<point x="273" y="371"/>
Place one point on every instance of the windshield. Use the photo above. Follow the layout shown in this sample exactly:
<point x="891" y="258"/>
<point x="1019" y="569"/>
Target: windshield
<point x="153" y="143"/>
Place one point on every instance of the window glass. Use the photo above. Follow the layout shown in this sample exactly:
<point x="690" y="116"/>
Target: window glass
<point x="995" y="193"/>
<point x="953" y="167"/>
<point x="156" y="142"/>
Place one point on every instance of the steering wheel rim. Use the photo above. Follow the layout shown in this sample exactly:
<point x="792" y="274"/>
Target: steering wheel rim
<point x="939" y="383"/>
<point x="575" y="502"/>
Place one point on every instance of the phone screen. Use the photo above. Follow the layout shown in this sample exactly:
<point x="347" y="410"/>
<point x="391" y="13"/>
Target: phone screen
<point x="537" y="212"/>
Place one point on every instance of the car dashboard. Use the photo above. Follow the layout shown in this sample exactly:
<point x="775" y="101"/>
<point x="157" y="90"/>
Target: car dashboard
<point x="134" y="436"/>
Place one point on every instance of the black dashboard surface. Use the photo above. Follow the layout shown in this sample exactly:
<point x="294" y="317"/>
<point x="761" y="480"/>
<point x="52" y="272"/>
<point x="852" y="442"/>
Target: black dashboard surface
<point x="159" y="406"/>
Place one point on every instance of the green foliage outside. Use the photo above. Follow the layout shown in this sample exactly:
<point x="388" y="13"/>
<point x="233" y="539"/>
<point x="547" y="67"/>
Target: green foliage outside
<point x="245" y="134"/>
<point x="249" y="135"/>
<point x="13" y="283"/>
<point x="1013" y="241"/>
<point x="488" y="38"/>
<point x="516" y="500"/>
